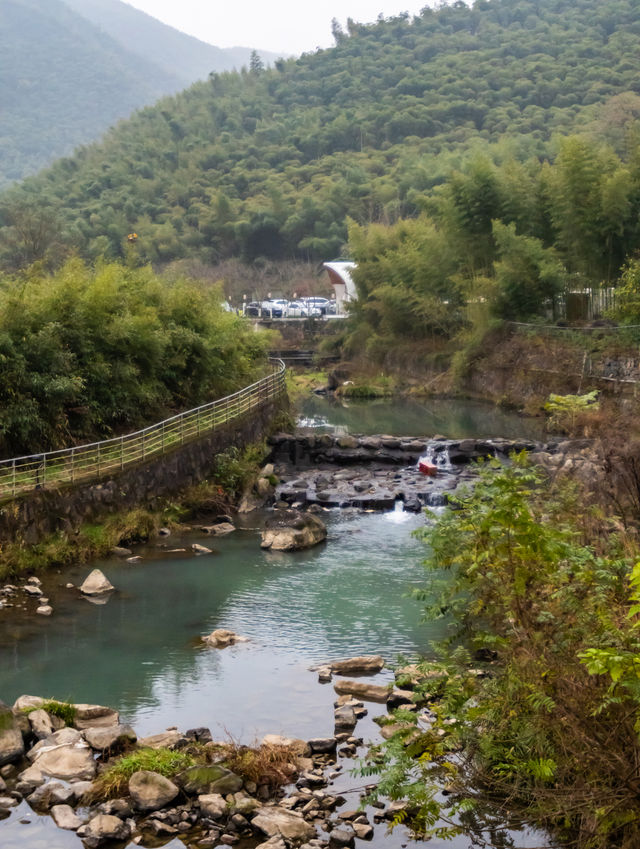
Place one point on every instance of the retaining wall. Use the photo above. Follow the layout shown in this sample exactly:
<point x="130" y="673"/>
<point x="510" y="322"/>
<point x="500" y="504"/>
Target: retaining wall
<point x="35" y="515"/>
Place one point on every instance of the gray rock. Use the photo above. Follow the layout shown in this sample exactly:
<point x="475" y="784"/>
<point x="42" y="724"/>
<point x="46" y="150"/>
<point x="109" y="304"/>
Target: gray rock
<point x="28" y="780"/>
<point x="112" y="737"/>
<point x="362" y="665"/>
<point x="8" y="802"/>
<point x="95" y="716"/>
<point x="119" y="551"/>
<point x="165" y="740"/>
<point x="207" y="780"/>
<point x="11" y="742"/>
<point x="221" y="638"/>
<point x="341" y="837"/>
<point x="103" y="828"/>
<point x="288" y="824"/>
<point x="290" y="530"/>
<point x="363" y="690"/>
<point x="23" y="702"/>
<point x="40" y="723"/>
<point x="65" y="755"/>
<point x="150" y="790"/>
<point x="44" y="610"/>
<point x="47" y="795"/>
<point x="212" y="805"/>
<point x="219" y="530"/>
<point x="200" y="549"/>
<point x="344" y="719"/>
<point x="323" y="745"/>
<point x="65" y="817"/>
<point x="363" y="831"/>
<point x="275" y="842"/>
<point x="96" y="584"/>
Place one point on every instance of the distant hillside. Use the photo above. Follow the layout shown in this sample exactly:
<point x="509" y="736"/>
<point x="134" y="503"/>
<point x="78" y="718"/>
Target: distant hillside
<point x="271" y="163"/>
<point x="178" y="54"/>
<point x="64" y="80"/>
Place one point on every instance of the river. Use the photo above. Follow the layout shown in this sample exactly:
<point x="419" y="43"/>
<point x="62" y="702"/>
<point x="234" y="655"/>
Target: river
<point x="141" y="651"/>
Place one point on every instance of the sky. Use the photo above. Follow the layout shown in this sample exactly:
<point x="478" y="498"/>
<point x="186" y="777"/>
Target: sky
<point x="283" y="26"/>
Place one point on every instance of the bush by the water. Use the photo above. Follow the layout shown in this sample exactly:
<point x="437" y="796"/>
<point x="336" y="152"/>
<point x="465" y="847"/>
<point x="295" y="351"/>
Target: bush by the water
<point x="86" y="353"/>
<point x="550" y="728"/>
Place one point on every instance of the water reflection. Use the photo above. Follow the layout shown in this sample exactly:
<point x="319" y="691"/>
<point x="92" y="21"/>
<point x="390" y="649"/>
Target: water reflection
<point x="453" y="418"/>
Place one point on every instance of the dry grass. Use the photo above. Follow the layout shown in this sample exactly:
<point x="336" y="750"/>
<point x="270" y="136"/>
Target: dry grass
<point x="262" y="764"/>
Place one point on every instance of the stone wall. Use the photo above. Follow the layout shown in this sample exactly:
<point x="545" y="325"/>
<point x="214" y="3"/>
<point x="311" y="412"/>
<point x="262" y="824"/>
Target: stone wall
<point x="33" y="516"/>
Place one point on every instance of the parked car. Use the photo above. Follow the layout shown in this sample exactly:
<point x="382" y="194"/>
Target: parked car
<point x="296" y="309"/>
<point x="323" y="305"/>
<point x="253" y="308"/>
<point x="272" y="309"/>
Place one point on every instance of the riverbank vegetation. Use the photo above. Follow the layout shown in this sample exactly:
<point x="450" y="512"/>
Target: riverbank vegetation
<point x="544" y="585"/>
<point x="91" y="352"/>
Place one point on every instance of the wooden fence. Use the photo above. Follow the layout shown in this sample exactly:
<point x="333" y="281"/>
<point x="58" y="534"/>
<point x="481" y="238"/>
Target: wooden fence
<point x="86" y="462"/>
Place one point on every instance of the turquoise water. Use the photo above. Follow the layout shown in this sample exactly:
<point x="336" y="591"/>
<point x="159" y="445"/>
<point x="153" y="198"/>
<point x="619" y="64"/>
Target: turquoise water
<point x="141" y="652"/>
<point x="455" y="419"/>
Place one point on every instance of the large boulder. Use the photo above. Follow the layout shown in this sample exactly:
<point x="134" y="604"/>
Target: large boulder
<point x="65" y="755"/>
<point x="96" y="584"/>
<point x="111" y="738"/>
<point x="102" y="829"/>
<point x="151" y="791"/>
<point x="11" y="742"/>
<point x="95" y="716"/>
<point x="290" y="530"/>
<point x="280" y="822"/>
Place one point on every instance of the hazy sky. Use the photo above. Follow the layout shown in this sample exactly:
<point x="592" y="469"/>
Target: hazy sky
<point x="287" y="26"/>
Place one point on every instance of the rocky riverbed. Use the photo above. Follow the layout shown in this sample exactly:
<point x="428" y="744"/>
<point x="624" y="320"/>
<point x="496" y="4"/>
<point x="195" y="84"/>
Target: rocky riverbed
<point x="57" y="757"/>
<point x="377" y="472"/>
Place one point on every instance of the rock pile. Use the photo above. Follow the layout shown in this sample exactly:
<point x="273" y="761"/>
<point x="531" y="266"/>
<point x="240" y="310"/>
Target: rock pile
<point x="56" y="767"/>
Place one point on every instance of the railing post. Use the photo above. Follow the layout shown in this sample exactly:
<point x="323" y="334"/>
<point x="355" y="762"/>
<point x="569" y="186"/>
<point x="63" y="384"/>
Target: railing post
<point x="198" y="422"/>
<point x="182" y="429"/>
<point x="13" y="477"/>
<point x="98" y="459"/>
<point x="73" y="465"/>
<point x="121" y="453"/>
<point x="163" y="437"/>
<point x="144" y="433"/>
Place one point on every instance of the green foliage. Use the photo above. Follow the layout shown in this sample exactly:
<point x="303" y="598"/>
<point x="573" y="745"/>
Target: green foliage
<point x="63" y="710"/>
<point x="564" y="409"/>
<point x="528" y="276"/>
<point x="511" y="571"/>
<point x="86" y="353"/>
<point x="234" y="469"/>
<point x="628" y="294"/>
<point x="271" y="163"/>
<point x="113" y="782"/>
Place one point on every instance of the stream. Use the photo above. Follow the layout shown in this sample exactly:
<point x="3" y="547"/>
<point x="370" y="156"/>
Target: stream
<point x="141" y="651"/>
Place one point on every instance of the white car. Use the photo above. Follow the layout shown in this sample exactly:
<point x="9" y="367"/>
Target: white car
<point x="295" y="309"/>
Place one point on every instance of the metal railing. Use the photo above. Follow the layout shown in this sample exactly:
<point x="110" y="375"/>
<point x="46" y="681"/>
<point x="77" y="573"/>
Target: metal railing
<point x="87" y="462"/>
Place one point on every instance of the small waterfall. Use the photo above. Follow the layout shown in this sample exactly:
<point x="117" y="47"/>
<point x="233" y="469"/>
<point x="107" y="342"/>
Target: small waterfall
<point x="437" y="454"/>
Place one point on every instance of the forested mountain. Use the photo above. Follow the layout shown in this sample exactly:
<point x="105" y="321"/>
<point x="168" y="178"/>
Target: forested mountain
<point x="65" y="80"/>
<point x="270" y="163"/>
<point x="178" y="54"/>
